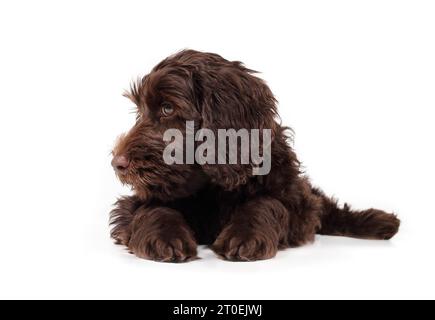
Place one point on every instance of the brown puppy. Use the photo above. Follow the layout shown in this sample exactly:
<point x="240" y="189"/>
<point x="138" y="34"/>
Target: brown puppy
<point x="243" y="217"/>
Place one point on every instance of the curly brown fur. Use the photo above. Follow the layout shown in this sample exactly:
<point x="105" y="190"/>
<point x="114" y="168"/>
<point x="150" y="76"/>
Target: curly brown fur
<point x="242" y="217"/>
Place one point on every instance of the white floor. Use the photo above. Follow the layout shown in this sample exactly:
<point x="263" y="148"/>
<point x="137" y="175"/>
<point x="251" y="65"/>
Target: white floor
<point x="81" y="262"/>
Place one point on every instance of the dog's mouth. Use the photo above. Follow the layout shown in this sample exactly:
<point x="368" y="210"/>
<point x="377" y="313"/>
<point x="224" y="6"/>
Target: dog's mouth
<point x="167" y="185"/>
<point x="130" y="176"/>
<point x="141" y="185"/>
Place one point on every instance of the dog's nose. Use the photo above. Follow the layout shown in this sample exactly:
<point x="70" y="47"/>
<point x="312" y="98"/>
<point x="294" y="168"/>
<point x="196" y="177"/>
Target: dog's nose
<point x="120" y="163"/>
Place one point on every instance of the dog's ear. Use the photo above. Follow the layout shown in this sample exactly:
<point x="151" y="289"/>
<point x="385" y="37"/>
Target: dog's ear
<point x="231" y="97"/>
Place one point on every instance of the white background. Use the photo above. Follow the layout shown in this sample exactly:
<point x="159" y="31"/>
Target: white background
<point x="355" y="80"/>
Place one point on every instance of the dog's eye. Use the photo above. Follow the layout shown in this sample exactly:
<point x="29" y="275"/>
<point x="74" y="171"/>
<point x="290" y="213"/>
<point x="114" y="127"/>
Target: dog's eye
<point x="167" y="109"/>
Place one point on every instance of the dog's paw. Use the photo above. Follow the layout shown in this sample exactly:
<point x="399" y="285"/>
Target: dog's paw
<point x="121" y="234"/>
<point x="121" y="217"/>
<point x="245" y="246"/>
<point x="164" y="246"/>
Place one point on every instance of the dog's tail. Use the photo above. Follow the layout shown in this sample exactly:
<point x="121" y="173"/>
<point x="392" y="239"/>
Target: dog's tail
<point x="366" y="224"/>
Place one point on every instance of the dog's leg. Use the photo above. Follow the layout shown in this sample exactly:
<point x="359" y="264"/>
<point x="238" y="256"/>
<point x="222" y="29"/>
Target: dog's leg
<point x="255" y="232"/>
<point x="121" y="218"/>
<point x="161" y="234"/>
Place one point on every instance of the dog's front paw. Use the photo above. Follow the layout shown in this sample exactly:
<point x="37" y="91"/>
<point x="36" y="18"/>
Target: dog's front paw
<point x="244" y="246"/>
<point x="121" y="217"/>
<point x="164" y="245"/>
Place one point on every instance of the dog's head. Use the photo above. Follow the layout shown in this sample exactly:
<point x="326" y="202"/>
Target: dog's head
<point x="190" y="86"/>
